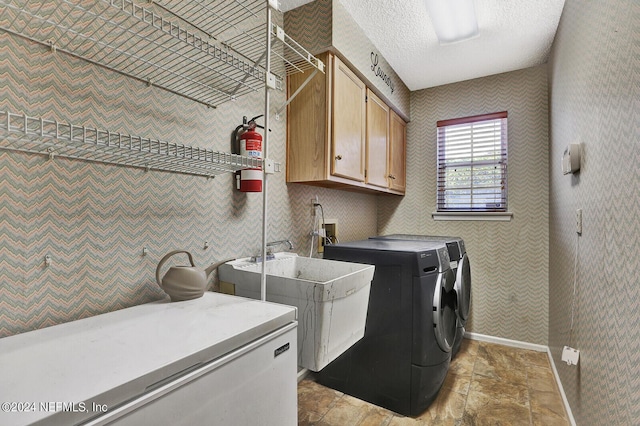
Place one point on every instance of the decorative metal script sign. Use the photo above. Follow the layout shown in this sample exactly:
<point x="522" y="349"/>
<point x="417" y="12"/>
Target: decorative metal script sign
<point x="379" y="72"/>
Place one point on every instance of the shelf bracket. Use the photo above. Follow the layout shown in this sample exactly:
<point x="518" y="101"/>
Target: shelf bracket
<point x="269" y="166"/>
<point x="275" y="4"/>
<point x="272" y="81"/>
<point x="280" y="34"/>
<point x="279" y="110"/>
<point x="255" y="65"/>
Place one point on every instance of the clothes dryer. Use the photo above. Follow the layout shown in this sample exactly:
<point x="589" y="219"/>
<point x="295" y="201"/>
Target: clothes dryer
<point x="461" y="267"/>
<point x="403" y="358"/>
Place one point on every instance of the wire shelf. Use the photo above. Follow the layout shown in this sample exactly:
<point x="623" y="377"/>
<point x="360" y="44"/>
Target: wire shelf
<point x="22" y="133"/>
<point x="294" y="56"/>
<point x="213" y="52"/>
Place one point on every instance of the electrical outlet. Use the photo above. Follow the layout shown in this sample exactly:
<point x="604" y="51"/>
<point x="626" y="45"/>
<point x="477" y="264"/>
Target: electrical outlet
<point x="579" y="221"/>
<point x="330" y="231"/>
<point x="314" y="201"/>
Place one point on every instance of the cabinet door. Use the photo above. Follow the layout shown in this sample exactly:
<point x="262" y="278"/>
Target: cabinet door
<point x="348" y="119"/>
<point x="398" y="152"/>
<point x="307" y="137"/>
<point x="377" y="140"/>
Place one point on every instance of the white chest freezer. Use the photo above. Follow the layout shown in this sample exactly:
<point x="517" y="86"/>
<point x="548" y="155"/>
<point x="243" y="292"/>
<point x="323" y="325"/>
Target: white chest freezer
<point x="216" y="360"/>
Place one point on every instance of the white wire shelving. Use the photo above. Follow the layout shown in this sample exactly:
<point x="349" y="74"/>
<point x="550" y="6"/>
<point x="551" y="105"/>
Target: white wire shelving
<point x="209" y="51"/>
<point x="19" y="132"/>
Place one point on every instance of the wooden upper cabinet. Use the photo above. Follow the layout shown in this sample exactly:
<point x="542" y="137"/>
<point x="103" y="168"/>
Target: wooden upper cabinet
<point x="338" y="135"/>
<point x="377" y="141"/>
<point x="349" y="120"/>
<point x="397" y="152"/>
<point x="307" y="120"/>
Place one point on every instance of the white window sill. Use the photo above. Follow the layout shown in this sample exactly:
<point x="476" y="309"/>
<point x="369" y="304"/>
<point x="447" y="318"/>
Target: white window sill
<point x="491" y="216"/>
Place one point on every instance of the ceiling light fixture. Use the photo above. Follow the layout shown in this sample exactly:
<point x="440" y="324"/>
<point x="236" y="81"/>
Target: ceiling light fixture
<point x="453" y="20"/>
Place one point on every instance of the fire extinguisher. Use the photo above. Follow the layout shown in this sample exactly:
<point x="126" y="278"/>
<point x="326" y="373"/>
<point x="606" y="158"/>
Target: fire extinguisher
<point x="249" y="145"/>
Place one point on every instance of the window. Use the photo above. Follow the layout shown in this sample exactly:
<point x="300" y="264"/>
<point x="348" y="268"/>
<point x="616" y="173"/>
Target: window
<point x="472" y="164"/>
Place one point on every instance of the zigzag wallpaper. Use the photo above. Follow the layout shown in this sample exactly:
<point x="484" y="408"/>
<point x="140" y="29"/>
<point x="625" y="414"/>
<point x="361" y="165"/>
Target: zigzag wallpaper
<point x="351" y="41"/>
<point x="94" y="220"/>
<point x="509" y="260"/>
<point x="594" y="82"/>
<point x="325" y="25"/>
<point x="312" y="25"/>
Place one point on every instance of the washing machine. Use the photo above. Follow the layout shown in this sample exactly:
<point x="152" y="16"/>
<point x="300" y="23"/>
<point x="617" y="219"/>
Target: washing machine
<point x="403" y="358"/>
<point x="461" y="267"/>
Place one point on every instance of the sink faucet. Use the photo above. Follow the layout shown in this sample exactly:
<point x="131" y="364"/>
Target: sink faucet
<point x="276" y="243"/>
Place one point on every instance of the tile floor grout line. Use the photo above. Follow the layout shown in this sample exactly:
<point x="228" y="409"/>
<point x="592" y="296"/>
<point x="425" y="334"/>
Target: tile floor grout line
<point x="330" y="407"/>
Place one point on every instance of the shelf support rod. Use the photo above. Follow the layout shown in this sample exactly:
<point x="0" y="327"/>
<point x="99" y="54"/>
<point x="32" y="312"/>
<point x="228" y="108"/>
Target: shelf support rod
<point x="265" y="153"/>
<point x="313" y="74"/>
<point x="241" y="83"/>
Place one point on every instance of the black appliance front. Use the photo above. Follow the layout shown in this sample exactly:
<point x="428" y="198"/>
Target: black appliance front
<point x="399" y="364"/>
<point x="460" y="266"/>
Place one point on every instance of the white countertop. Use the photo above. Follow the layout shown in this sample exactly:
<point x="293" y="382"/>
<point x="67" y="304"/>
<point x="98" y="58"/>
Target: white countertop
<point x="115" y="356"/>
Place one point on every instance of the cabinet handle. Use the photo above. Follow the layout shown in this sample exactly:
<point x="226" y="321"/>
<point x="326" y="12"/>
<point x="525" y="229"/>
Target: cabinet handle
<point x="338" y="157"/>
<point x="392" y="177"/>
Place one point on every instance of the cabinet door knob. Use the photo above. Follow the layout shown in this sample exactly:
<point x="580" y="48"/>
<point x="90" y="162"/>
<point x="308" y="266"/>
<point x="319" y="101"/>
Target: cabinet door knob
<point x="338" y="157"/>
<point x="392" y="177"/>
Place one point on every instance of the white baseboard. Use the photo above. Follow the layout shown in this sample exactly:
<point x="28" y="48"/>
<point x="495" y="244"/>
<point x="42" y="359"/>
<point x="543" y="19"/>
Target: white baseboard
<point x="302" y="373"/>
<point x="560" y="388"/>
<point x="506" y="342"/>
<point x="533" y="347"/>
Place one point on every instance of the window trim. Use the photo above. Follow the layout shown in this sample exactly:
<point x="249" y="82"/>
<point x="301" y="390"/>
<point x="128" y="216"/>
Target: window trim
<point x="472" y="119"/>
<point x="469" y="214"/>
<point x="465" y="216"/>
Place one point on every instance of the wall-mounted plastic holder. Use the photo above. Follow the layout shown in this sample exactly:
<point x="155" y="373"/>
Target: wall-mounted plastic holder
<point x="571" y="159"/>
<point x="570" y="355"/>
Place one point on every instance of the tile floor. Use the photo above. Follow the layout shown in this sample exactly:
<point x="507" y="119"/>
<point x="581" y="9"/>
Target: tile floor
<point x="487" y="384"/>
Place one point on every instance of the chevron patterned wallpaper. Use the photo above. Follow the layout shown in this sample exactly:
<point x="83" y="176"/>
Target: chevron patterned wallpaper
<point x="325" y="25"/>
<point x="351" y="41"/>
<point x="594" y="79"/>
<point x="94" y="220"/>
<point x="509" y="260"/>
<point x="311" y="25"/>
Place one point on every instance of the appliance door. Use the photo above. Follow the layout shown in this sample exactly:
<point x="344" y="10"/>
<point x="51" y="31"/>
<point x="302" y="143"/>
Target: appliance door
<point x="434" y="318"/>
<point x="444" y="311"/>
<point x="454" y="253"/>
<point x="463" y="289"/>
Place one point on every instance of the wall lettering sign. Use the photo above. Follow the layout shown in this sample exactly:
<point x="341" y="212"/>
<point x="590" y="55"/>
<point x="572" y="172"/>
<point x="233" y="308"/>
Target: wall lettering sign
<point x="379" y="72"/>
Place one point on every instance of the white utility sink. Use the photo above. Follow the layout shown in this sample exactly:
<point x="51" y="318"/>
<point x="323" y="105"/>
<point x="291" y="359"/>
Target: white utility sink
<point x="332" y="298"/>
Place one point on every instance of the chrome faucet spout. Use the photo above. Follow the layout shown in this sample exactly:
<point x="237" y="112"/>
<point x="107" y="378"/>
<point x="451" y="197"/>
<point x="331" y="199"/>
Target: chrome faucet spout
<point x="277" y="243"/>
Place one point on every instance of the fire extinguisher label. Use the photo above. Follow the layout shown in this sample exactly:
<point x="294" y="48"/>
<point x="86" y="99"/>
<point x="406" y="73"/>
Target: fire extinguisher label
<point x="253" y="148"/>
<point x="251" y="174"/>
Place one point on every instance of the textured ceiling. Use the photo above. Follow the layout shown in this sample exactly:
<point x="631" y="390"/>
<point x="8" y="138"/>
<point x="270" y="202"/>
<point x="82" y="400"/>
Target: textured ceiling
<point x="514" y="34"/>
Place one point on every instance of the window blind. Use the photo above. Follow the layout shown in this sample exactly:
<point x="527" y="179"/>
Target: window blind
<point x="472" y="164"/>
